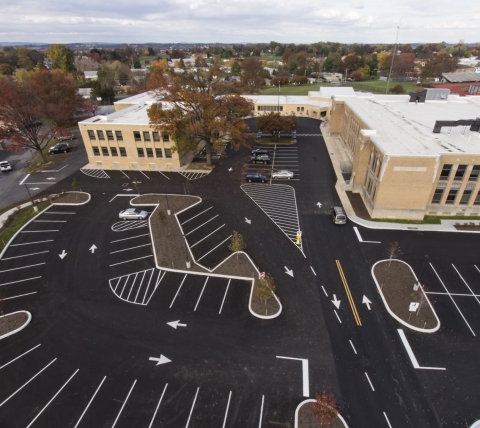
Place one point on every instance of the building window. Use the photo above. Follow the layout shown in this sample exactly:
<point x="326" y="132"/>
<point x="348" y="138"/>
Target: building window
<point x="460" y="172"/>
<point x="477" y="199"/>
<point x="114" y="151"/>
<point x="168" y="153"/>
<point x="91" y="134"/>
<point x="445" y="172"/>
<point x="146" y="136"/>
<point x="119" y="135"/>
<point x="109" y="135"/>
<point x="158" y="153"/>
<point x="123" y="152"/>
<point x="149" y="153"/>
<point x="437" y="196"/>
<point x="451" y="196"/>
<point x="96" y="152"/>
<point x="136" y="136"/>
<point x="105" y="151"/>
<point x="474" y="173"/>
<point x="270" y="108"/>
<point x="100" y="135"/>
<point x="140" y="152"/>
<point x="166" y="138"/>
<point x="465" y="197"/>
<point x="156" y="136"/>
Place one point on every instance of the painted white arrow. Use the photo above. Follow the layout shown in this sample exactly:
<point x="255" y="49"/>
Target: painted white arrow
<point x="50" y="178"/>
<point x="138" y="182"/>
<point x="230" y="169"/>
<point x="62" y="256"/>
<point x="319" y="205"/>
<point x="248" y="220"/>
<point x="336" y="302"/>
<point x="289" y="272"/>
<point x="176" y="324"/>
<point x="128" y="190"/>
<point x="92" y="248"/>
<point x="161" y="360"/>
<point x="34" y="188"/>
<point x="367" y="302"/>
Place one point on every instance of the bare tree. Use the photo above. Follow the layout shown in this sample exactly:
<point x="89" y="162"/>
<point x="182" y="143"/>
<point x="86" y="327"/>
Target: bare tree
<point x="393" y="251"/>
<point x="325" y="408"/>
<point x="237" y="243"/>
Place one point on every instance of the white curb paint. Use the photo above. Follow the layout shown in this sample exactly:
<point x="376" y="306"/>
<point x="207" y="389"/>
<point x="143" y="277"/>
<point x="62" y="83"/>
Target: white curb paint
<point x="475" y="425"/>
<point x="311" y="400"/>
<point x="421" y="330"/>
<point x="80" y="203"/>
<point x="29" y="315"/>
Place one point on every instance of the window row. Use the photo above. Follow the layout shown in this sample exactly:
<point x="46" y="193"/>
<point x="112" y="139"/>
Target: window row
<point x="123" y="153"/>
<point x="460" y="172"/>
<point x="137" y="135"/>
<point x="452" y="196"/>
<point x="147" y="136"/>
<point x="270" y="108"/>
<point x="101" y="135"/>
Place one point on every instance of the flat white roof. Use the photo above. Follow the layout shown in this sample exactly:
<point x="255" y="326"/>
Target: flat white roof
<point x="285" y="100"/>
<point x="134" y="115"/>
<point x="405" y="128"/>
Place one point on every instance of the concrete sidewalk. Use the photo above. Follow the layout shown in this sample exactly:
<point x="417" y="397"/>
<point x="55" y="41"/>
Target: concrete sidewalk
<point x="339" y="156"/>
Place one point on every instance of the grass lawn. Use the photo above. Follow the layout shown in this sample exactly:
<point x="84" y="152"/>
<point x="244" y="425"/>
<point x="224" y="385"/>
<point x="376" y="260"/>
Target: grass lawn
<point x="16" y="221"/>
<point x="290" y="89"/>
<point x="37" y="163"/>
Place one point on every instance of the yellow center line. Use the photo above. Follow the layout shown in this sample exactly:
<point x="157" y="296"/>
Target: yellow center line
<point x="349" y="295"/>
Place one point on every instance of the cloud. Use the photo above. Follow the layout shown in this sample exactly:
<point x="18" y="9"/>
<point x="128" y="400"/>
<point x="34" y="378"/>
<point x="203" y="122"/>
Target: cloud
<point x="358" y="4"/>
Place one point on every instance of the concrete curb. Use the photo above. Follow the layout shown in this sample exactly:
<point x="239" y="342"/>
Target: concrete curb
<point x="29" y="315"/>
<point x="80" y="203"/>
<point x="475" y="425"/>
<point x="311" y="400"/>
<point x="411" y="327"/>
<point x="209" y="272"/>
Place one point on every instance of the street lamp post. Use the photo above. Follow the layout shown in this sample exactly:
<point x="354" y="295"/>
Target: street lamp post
<point x="31" y="199"/>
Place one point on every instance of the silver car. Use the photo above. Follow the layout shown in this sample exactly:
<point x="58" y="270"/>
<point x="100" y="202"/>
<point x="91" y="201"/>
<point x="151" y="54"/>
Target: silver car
<point x="283" y="173"/>
<point x="133" y="214"/>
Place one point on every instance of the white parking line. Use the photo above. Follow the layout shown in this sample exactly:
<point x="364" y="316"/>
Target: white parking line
<point x="20" y="280"/>
<point x="410" y="353"/>
<point x="143" y="174"/>
<point x="339" y="320"/>
<point x="388" y="422"/>
<point x="31" y="243"/>
<point x="20" y="295"/>
<point x="226" y="411"/>
<point x="199" y="297"/>
<point x="158" y="405"/>
<point x="20" y="356"/>
<point x="132" y="237"/>
<point x="57" y="212"/>
<point x="90" y="402"/>
<point x="186" y="221"/>
<point x="122" y="226"/>
<point x="216" y="230"/>
<point x="159" y="280"/>
<point x="354" y="350"/>
<point x="452" y="294"/>
<point x="133" y="283"/>
<point x="23" y="267"/>
<point x="193" y="405"/>
<point x="125" y="402"/>
<point x="21" y="182"/>
<point x="49" y="221"/>
<point x="26" y="255"/>
<point x="148" y="285"/>
<point x="214" y="248"/>
<point x="369" y="381"/>
<point x="132" y="260"/>
<point x="26" y="383"/>
<point x="176" y="294"/>
<point x="360" y="239"/>
<point x="208" y="221"/>
<point x="455" y="303"/>
<point x="313" y="271"/>
<point x="131" y="248"/>
<point x="225" y="295"/>
<point x="164" y="175"/>
<point x="324" y="291"/>
<point x="261" y="412"/>
<point x="471" y="291"/>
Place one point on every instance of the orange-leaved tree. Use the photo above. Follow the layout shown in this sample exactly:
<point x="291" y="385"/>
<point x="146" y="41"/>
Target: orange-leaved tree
<point x="195" y="107"/>
<point x="324" y="409"/>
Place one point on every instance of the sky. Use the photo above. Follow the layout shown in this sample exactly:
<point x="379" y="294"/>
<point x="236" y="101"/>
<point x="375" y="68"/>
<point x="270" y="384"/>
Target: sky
<point x="239" y="21"/>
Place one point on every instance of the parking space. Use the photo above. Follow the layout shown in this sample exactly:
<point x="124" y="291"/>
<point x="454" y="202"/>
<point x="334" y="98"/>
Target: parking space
<point x="206" y="233"/>
<point x="279" y="203"/>
<point x="281" y="158"/>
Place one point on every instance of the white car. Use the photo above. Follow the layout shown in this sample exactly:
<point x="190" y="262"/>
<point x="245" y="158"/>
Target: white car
<point x="133" y="214"/>
<point x="282" y="174"/>
<point x="5" y="166"/>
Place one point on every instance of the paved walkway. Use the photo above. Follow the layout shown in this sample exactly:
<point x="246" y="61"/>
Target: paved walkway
<point x="339" y="156"/>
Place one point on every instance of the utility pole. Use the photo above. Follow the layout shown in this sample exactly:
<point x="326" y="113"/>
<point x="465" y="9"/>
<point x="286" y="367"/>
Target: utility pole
<point x="393" y="56"/>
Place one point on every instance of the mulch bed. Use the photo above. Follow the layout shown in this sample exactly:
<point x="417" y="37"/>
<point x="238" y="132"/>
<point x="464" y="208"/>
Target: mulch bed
<point x="466" y="227"/>
<point x="358" y="205"/>
<point x="171" y="251"/>
<point x="306" y="419"/>
<point x="9" y="323"/>
<point x="396" y="281"/>
<point x="71" y="198"/>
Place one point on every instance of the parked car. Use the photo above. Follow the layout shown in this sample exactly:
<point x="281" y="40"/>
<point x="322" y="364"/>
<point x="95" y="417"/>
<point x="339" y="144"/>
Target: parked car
<point x="338" y="215"/>
<point x="133" y="214"/>
<point x="256" y="177"/>
<point x="66" y="137"/>
<point x="59" y="148"/>
<point x="260" y="159"/>
<point x="283" y="173"/>
<point x="258" y="152"/>
<point x="5" y="166"/>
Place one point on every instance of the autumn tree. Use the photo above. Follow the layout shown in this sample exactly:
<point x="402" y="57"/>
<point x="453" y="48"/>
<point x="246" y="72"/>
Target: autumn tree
<point x="195" y="107"/>
<point x="356" y="75"/>
<point x="251" y="77"/>
<point x="43" y="96"/>
<point x="274" y="123"/>
<point x="324" y="409"/>
<point x="438" y="64"/>
<point x="62" y="57"/>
